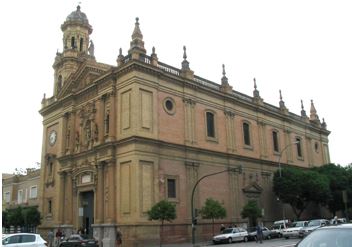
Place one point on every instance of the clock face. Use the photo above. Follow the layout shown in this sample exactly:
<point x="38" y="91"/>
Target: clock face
<point x="52" y="137"/>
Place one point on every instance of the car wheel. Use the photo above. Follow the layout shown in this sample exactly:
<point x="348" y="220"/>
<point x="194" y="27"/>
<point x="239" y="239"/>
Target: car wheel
<point x="280" y="235"/>
<point x="255" y="238"/>
<point x="268" y="237"/>
<point x="230" y="240"/>
<point x="287" y="237"/>
<point x="245" y="239"/>
<point x="214" y="242"/>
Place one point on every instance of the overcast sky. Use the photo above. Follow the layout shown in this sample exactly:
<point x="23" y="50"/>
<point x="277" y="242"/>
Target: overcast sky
<point x="302" y="47"/>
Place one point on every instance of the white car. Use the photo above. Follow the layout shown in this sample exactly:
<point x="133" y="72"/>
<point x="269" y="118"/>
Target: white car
<point x="230" y="235"/>
<point x="293" y="230"/>
<point x="23" y="240"/>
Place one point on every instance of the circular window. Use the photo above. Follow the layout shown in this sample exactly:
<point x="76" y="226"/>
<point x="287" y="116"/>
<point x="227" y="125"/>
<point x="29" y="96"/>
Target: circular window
<point x="169" y="106"/>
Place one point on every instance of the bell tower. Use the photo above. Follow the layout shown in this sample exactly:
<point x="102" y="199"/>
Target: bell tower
<point x="76" y="31"/>
<point x="77" y="47"/>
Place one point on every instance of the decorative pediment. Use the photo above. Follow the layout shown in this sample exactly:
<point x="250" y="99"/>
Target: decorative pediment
<point x="83" y="77"/>
<point x="253" y="189"/>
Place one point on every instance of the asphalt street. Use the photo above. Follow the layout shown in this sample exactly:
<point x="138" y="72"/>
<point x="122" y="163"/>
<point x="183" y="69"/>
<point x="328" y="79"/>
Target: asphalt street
<point x="277" y="242"/>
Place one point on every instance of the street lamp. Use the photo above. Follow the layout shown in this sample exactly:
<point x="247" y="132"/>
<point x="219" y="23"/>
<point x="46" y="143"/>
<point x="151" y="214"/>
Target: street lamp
<point x="280" y="175"/>
<point x="193" y="190"/>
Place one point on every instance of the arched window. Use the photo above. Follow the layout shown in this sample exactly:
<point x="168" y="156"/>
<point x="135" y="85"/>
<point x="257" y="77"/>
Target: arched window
<point x="246" y="134"/>
<point x="299" y="147"/>
<point x="210" y="124"/>
<point x="81" y="44"/>
<point x="73" y="46"/>
<point x="275" y="141"/>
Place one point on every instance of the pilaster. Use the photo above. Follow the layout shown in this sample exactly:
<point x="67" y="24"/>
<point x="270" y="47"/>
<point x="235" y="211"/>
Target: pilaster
<point x="100" y="193"/>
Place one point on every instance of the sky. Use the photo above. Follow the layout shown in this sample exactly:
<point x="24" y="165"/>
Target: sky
<point x="301" y="47"/>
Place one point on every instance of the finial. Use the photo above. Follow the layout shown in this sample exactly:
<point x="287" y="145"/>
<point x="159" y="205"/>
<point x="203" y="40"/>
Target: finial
<point x="280" y="95"/>
<point x="78" y="7"/>
<point x="137" y="19"/>
<point x="223" y="70"/>
<point x="120" y="51"/>
<point x="184" y="53"/>
<point x="153" y="50"/>
<point x="255" y="83"/>
<point x="302" y="105"/>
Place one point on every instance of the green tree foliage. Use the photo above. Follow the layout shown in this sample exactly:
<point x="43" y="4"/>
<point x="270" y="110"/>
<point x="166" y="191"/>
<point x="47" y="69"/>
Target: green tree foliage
<point x="26" y="218"/>
<point x="252" y="212"/>
<point x="31" y="216"/>
<point x="212" y="209"/>
<point x="15" y="217"/>
<point x="299" y="188"/>
<point x="340" y="179"/>
<point x="162" y="211"/>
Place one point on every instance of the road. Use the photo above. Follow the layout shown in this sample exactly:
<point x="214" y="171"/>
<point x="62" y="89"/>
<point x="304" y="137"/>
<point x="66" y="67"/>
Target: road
<point x="276" y="242"/>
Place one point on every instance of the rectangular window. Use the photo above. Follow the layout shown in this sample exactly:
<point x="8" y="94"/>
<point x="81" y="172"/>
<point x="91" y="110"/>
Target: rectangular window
<point x="20" y="196"/>
<point x="275" y="141"/>
<point x="7" y="197"/>
<point x="171" y="188"/>
<point x="49" y="207"/>
<point x="33" y="192"/>
<point x="210" y="124"/>
<point x="246" y="134"/>
<point x="299" y="148"/>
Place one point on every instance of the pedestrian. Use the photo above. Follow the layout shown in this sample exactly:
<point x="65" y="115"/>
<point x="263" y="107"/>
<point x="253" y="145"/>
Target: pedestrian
<point x="50" y="238"/>
<point x="259" y="233"/>
<point x="118" y="237"/>
<point x="222" y="228"/>
<point x="58" y="236"/>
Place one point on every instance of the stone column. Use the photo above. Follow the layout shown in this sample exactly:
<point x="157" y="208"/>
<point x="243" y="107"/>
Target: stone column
<point x="101" y="118"/>
<point x="230" y="133"/>
<point x="112" y="125"/>
<point x="65" y="124"/>
<point x="288" y="141"/>
<point x="61" y="202"/>
<point x="111" y="191"/>
<point x="68" y="199"/>
<point x="262" y="140"/>
<point x="190" y="135"/>
<point x="100" y="194"/>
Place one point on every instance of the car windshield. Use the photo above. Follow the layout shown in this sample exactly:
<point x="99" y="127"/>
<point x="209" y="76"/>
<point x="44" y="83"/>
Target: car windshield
<point x="229" y="230"/>
<point x="276" y="227"/>
<point x="314" y="223"/>
<point x="328" y="238"/>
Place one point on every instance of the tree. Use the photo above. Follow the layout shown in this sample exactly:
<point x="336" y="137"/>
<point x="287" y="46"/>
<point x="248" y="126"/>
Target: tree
<point x="31" y="217"/>
<point x="252" y="212"/>
<point x="162" y="211"/>
<point x="299" y="188"/>
<point x="15" y="217"/>
<point x="338" y="181"/>
<point x="212" y="209"/>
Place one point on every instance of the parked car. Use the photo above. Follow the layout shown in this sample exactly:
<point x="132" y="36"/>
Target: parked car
<point x="267" y="233"/>
<point x="230" y="235"/>
<point x="293" y="230"/>
<point x="23" y="240"/>
<point x="278" y="229"/>
<point x="77" y="240"/>
<point x="329" y="236"/>
<point x="312" y="225"/>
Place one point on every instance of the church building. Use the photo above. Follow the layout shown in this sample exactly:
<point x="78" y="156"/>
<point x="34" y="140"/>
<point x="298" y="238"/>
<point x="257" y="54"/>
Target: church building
<point x="119" y="138"/>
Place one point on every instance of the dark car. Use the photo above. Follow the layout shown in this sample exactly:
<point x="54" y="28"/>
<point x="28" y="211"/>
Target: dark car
<point x="267" y="233"/>
<point x="77" y="240"/>
<point x="329" y="236"/>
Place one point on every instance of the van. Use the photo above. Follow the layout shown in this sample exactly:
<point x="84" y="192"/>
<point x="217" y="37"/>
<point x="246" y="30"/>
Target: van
<point x="279" y="227"/>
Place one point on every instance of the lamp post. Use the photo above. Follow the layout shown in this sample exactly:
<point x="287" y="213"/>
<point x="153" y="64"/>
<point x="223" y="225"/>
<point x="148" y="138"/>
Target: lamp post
<point x="193" y="190"/>
<point x="280" y="175"/>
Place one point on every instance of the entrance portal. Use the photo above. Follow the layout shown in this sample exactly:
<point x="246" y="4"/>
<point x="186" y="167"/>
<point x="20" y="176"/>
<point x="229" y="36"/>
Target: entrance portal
<point x="87" y="212"/>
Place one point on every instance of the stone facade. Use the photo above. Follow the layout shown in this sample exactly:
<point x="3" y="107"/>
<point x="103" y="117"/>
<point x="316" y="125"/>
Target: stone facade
<point x="118" y="139"/>
<point x="21" y="189"/>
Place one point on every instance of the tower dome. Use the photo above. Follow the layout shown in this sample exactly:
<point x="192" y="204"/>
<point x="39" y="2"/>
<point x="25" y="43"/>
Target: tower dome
<point x="78" y="16"/>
